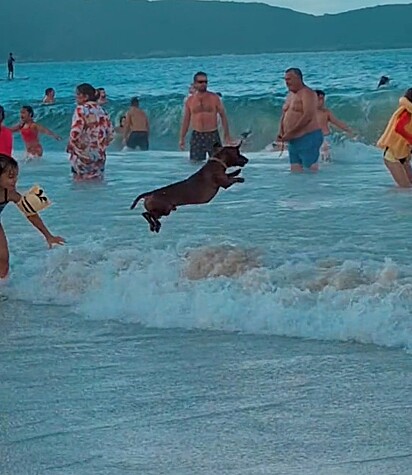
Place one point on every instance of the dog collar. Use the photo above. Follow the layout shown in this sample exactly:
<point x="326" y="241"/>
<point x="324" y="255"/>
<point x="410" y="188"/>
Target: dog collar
<point x="214" y="159"/>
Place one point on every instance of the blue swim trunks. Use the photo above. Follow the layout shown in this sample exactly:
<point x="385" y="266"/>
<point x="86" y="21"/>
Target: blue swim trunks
<point x="305" y="150"/>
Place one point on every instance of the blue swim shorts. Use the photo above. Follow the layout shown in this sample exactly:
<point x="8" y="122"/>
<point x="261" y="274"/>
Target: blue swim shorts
<point x="305" y="150"/>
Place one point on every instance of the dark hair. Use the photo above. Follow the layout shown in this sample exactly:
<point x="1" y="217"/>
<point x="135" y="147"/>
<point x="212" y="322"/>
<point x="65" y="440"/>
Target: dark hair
<point x="121" y="118"/>
<point x="198" y="74"/>
<point x="101" y="89"/>
<point x="29" y="109"/>
<point x="2" y="114"/>
<point x="134" y="101"/>
<point x="408" y="94"/>
<point x="295" y="71"/>
<point x="7" y="163"/>
<point x="87" y="90"/>
<point x="320" y="93"/>
<point x="48" y="91"/>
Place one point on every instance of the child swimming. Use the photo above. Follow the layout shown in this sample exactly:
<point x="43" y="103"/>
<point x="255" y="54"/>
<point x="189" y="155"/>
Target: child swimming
<point x="29" y="204"/>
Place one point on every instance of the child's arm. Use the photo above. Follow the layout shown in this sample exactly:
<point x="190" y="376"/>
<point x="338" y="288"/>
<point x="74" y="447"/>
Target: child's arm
<point x="15" y="128"/>
<point x="46" y="131"/>
<point x="37" y="222"/>
<point x="339" y="124"/>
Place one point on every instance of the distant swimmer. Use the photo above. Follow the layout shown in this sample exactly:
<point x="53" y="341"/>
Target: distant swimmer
<point x="6" y="136"/>
<point x="396" y="142"/>
<point x="30" y="204"/>
<point x="136" y="127"/>
<point x="325" y="118"/>
<point x="383" y="81"/>
<point x="102" y="96"/>
<point x="30" y="131"/>
<point x="299" y="124"/>
<point x="201" y="112"/>
<point x="49" y="96"/>
<point x="10" y="66"/>
<point x="90" y="134"/>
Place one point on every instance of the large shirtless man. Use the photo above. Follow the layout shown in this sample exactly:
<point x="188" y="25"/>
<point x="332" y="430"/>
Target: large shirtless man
<point x="299" y="123"/>
<point x="201" y="112"/>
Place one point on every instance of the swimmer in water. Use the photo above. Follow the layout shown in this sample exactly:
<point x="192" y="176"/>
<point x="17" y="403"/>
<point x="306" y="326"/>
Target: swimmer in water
<point x="30" y="131"/>
<point x="9" y="171"/>
<point x="49" y="96"/>
<point x="383" y="81"/>
<point x="325" y="119"/>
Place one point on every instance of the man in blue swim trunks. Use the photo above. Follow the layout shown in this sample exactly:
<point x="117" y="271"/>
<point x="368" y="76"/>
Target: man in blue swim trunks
<point x="299" y="124"/>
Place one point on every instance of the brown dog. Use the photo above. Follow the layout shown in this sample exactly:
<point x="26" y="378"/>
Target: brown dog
<point x="199" y="188"/>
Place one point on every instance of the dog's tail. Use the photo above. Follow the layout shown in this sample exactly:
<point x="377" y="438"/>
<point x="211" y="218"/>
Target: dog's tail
<point x="143" y="195"/>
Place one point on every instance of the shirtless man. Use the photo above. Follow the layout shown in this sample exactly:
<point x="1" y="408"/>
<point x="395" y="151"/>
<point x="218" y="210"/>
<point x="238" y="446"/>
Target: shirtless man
<point x="325" y="118"/>
<point x="299" y="123"/>
<point x="201" y="112"/>
<point x="136" y="127"/>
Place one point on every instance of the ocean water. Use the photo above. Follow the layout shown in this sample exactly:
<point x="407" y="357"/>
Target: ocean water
<point x="268" y="332"/>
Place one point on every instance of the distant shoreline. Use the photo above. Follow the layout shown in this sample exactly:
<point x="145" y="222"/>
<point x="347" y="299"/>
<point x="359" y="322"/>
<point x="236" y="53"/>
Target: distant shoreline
<point x="214" y="55"/>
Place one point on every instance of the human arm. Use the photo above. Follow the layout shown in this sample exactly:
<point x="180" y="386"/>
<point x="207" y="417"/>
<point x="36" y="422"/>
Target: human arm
<point x="225" y="124"/>
<point x="15" y="128"/>
<point x="46" y="131"/>
<point x="400" y="127"/>
<point x="185" y="124"/>
<point x="285" y="107"/>
<point x="309" y="108"/>
<point x="339" y="124"/>
<point x="38" y="223"/>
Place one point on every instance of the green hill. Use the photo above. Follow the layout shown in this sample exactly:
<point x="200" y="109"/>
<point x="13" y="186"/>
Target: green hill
<point x="106" y="29"/>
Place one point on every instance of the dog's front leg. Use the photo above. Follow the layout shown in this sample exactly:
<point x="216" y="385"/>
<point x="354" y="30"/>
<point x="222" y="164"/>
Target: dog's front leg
<point x="229" y="181"/>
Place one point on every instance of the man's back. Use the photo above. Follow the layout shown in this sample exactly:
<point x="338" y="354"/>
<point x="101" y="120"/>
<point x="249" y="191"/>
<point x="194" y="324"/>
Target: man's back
<point x="136" y="120"/>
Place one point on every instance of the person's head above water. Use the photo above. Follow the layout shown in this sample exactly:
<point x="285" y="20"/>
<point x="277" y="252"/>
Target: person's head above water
<point x="294" y="79"/>
<point x="49" y="91"/>
<point x="134" y="101"/>
<point x="26" y="113"/>
<point x="85" y="92"/>
<point x="122" y="120"/>
<point x="321" y="97"/>
<point x="383" y="81"/>
<point x="200" y="81"/>
<point x="408" y="94"/>
<point x="2" y="114"/>
<point x="9" y="171"/>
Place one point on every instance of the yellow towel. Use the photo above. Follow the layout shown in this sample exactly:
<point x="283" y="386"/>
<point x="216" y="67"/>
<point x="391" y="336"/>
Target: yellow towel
<point x="399" y="147"/>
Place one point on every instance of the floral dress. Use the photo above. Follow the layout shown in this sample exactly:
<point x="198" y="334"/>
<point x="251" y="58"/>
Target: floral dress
<point x="91" y="133"/>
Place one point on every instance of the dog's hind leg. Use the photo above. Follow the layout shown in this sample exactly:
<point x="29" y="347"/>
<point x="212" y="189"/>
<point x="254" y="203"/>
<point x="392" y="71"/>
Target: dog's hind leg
<point x="149" y="218"/>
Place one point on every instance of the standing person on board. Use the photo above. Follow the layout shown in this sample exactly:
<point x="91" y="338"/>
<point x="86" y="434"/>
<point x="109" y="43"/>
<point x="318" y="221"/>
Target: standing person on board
<point x="10" y="67"/>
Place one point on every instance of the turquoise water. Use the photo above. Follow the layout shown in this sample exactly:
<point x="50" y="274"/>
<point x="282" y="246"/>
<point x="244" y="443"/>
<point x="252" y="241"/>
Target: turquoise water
<point x="269" y="331"/>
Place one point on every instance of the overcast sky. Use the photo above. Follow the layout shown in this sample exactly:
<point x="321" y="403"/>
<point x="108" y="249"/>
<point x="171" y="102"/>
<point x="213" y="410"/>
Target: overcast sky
<point x="318" y="7"/>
